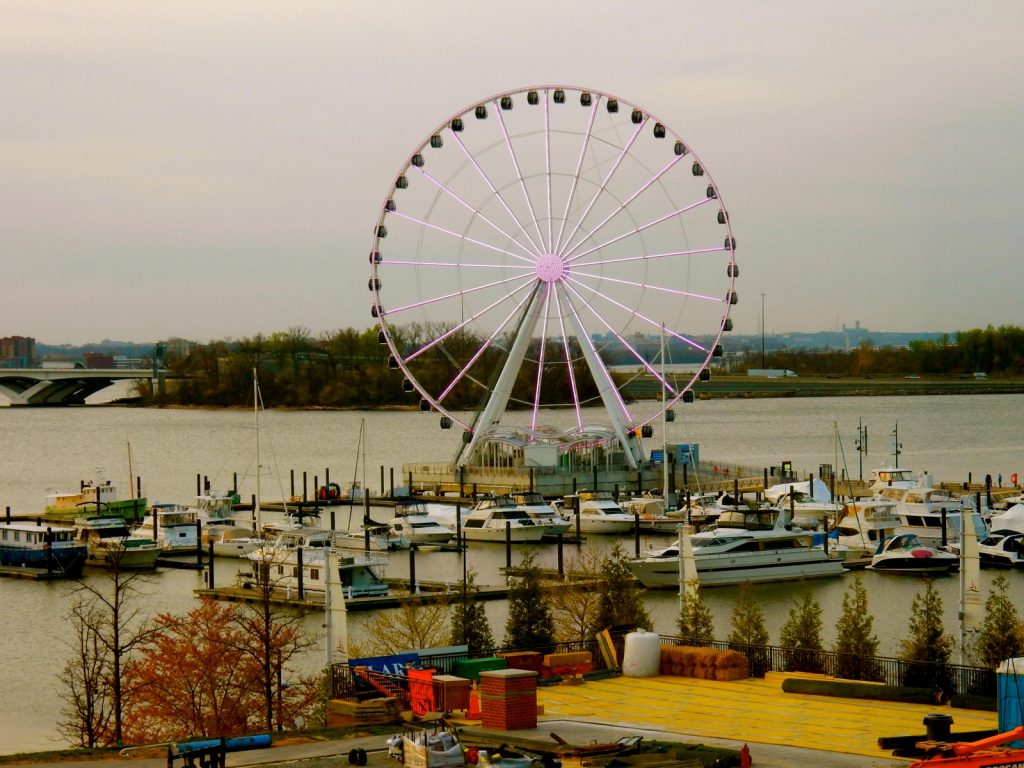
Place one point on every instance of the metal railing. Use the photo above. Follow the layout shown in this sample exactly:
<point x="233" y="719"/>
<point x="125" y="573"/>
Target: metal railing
<point x="950" y="679"/>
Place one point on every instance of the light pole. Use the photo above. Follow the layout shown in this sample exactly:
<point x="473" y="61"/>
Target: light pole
<point x="762" y="330"/>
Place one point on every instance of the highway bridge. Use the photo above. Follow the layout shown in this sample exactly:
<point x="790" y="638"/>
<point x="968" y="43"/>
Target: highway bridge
<point x="61" y="386"/>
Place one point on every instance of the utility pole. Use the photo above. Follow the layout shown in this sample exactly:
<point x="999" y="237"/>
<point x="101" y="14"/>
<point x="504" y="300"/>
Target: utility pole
<point x="862" y="446"/>
<point x="896" y="444"/>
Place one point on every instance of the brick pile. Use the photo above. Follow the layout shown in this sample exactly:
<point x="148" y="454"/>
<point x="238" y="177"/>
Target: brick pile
<point x="508" y="699"/>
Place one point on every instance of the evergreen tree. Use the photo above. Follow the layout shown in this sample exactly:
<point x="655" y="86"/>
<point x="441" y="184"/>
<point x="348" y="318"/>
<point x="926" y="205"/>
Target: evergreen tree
<point x="927" y="644"/>
<point x="747" y="620"/>
<point x="801" y="635"/>
<point x="469" y="619"/>
<point x="855" y="636"/>
<point x="1000" y="636"/>
<point x="619" y="599"/>
<point x="696" y="626"/>
<point x="530" y="624"/>
<point x="748" y="634"/>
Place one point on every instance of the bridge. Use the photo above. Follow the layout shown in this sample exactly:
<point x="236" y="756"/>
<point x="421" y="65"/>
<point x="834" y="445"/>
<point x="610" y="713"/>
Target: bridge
<point x="61" y="386"/>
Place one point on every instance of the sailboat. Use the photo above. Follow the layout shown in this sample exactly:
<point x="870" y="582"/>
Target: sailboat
<point x="372" y="534"/>
<point x="229" y="536"/>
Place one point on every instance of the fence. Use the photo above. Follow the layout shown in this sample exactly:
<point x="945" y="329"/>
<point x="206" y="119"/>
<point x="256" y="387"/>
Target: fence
<point x="951" y="679"/>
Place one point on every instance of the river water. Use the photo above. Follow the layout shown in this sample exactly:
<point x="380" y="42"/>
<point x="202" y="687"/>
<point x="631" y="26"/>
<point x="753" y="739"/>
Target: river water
<point x="46" y="450"/>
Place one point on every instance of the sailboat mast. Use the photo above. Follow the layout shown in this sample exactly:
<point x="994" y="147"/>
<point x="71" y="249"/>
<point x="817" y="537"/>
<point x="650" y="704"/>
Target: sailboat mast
<point x="257" y="517"/>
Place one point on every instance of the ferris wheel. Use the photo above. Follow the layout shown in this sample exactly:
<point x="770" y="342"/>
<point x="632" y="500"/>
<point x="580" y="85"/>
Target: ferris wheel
<point x="546" y="248"/>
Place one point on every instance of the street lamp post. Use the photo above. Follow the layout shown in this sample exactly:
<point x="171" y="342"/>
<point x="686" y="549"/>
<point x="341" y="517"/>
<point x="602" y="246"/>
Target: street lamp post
<point x="762" y="330"/>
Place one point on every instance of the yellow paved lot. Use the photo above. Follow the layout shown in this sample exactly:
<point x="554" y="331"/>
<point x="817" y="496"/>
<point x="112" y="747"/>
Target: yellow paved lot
<point x="753" y="710"/>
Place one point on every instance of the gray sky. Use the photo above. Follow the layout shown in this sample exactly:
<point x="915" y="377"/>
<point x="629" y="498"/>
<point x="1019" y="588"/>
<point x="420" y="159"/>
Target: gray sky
<point x="214" y="169"/>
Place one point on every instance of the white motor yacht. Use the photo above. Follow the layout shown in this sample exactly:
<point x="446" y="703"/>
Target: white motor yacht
<point x="598" y="513"/>
<point x="498" y="518"/>
<point x="542" y="514"/>
<point x="905" y="553"/>
<point x="745" y="546"/>
<point x="173" y="527"/>
<point x="864" y="524"/>
<point x="110" y="544"/>
<point x="414" y="521"/>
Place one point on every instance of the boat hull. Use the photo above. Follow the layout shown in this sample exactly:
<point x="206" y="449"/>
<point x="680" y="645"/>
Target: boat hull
<point x="65" y="562"/>
<point x="663" y="573"/>
<point x="517" y="534"/>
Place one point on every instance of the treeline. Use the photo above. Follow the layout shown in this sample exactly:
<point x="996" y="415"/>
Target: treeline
<point x="349" y="368"/>
<point x="998" y="351"/>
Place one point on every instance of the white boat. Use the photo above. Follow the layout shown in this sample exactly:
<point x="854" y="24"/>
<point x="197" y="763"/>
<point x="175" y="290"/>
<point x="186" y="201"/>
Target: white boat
<point x="745" y="546"/>
<point x="52" y="548"/>
<point x="1010" y="519"/>
<point x="598" y="513"/>
<point x="809" y="503"/>
<point x="362" y="573"/>
<point x="229" y="535"/>
<point x="171" y="526"/>
<point x="905" y="553"/>
<point x="414" y="521"/>
<point x="864" y="524"/>
<point x="1003" y="549"/>
<point x="109" y="544"/>
<point x="925" y="511"/>
<point x="896" y="477"/>
<point x="649" y="511"/>
<point x="499" y="518"/>
<point x="542" y="514"/>
<point x="380" y="537"/>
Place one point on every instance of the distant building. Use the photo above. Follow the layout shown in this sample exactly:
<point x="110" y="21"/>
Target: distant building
<point x="17" y="352"/>
<point x="178" y="349"/>
<point x="98" y="360"/>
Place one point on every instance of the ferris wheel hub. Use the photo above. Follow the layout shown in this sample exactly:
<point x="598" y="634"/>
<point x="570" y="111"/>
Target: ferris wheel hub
<point x="550" y="267"/>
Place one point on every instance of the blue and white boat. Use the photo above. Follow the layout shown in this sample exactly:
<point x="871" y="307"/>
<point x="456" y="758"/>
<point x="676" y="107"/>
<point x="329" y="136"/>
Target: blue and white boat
<point x="51" y="550"/>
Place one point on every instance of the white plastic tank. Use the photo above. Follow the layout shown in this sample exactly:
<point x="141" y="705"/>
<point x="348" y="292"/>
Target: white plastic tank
<point x="642" y="654"/>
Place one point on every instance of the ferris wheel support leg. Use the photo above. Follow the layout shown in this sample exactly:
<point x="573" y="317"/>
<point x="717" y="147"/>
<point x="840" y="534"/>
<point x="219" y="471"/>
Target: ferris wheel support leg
<point x="496" y="403"/>
<point x="609" y="395"/>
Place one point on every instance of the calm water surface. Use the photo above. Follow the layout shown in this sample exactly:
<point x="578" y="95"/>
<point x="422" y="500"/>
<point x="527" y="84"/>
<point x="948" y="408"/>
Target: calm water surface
<point x="48" y="450"/>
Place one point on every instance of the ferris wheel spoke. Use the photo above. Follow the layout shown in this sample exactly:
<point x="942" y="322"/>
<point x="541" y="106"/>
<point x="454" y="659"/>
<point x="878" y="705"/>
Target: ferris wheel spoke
<point x="576" y="176"/>
<point x="622" y="340"/>
<point x="454" y="294"/>
<point x="641" y="228"/>
<point x="530" y="256"/>
<point x="455" y="264"/>
<point x="466" y="322"/>
<point x="610" y="394"/>
<point x="443" y="230"/>
<point x="647" y="286"/>
<point x="622" y="206"/>
<point x="568" y="362"/>
<point x="645" y="318"/>
<point x="540" y="354"/>
<point x="604" y="184"/>
<point x="538" y="250"/>
<point x="645" y="257"/>
<point x="519" y="174"/>
<point x="483" y="348"/>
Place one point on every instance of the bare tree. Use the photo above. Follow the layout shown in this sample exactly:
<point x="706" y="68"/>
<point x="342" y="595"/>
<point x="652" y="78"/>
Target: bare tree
<point x="574" y="607"/>
<point x="86" y="680"/>
<point x="113" y="625"/>
<point x="414" y="624"/>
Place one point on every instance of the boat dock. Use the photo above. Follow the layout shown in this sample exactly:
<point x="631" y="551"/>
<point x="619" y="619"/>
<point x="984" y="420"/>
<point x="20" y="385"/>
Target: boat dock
<point x="31" y="574"/>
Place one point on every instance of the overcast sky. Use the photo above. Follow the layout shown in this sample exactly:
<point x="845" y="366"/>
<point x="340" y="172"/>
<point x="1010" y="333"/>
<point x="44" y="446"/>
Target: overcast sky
<point x="214" y="169"/>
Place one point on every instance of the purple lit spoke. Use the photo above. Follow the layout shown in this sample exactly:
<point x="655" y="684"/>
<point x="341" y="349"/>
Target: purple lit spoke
<point x="576" y="176"/>
<point x="456" y="235"/>
<point x="603" y="368"/>
<point x="648" y="286"/>
<point x="645" y="257"/>
<point x="622" y="340"/>
<point x="467" y="321"/>
<point x="456" y="264"/>
<point x="538" y="250"/>
<point x="530" y="256"/>
<point x="603" y="188"/>
<point x="540" y="356"/>
<point x="568" y="363"/>
<point x="632" y="311"/>
<point x="457" y="294"/>
<point x="547" y="159"/>
<point x="622" y="206"/>
<point x="483" y="348"/>
<point x="641" y="228"/>
<point x="519" y="172"/>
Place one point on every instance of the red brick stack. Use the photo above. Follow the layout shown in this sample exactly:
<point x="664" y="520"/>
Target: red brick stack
<point x="508" y="699"/>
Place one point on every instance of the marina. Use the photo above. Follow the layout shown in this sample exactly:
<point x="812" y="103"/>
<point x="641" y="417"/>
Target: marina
<point x="219" y="444"/>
